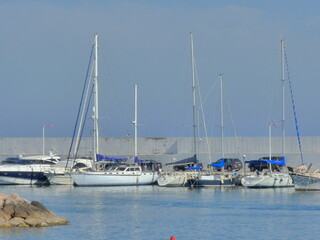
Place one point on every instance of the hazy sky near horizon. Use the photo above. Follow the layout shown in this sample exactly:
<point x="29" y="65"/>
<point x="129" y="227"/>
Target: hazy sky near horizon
<point x="45" y="48"/>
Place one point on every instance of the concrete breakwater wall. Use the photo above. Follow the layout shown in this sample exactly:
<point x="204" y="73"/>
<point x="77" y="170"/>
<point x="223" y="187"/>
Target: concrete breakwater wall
<point x="173" y="148"/>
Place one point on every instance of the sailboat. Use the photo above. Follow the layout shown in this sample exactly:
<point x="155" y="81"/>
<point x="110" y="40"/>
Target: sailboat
<point x="141" y="173"/>
<point x="183" y="170"/>
<point x="213" y="179"/>
<point x="59" y="175"/>
<point x="305" y="179"/>
<point x="189" y="166"/>
<point x="270" y="178"/>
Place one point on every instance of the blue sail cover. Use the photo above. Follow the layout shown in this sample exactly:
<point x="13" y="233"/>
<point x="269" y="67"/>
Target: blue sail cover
<point x="218" y="165"/>
<point x="282" y="162"/>
<point x="196" y="167"/>
<point x="116" y="159"/>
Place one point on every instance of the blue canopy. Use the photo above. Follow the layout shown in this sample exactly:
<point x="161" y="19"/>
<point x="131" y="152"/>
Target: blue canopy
<point x="218" y="165"/>
<point x="196" y="167"/>
<point x="282" y="162"/>
<point x="117" y="159"/>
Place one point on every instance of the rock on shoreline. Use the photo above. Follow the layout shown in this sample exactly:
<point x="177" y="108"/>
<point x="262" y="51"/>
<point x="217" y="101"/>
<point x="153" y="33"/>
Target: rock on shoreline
<point x="18" y="212"/>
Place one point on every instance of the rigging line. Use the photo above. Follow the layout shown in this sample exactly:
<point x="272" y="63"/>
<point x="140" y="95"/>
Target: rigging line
<point x="202" y="113"/>
<point x="116" y="101"/>
<point x="293" y="107"/>
<point x="232" y="122"/>
<point x="83" y="125"/>
<point x="80" y="105"/>
<point x="85" y="104"/>
<point x="84" y="111"/>
<point x="115" y="97"/>
<point x="211" y="89"/>
<point x="214" y="108"/>
<point x="272" y="103"/>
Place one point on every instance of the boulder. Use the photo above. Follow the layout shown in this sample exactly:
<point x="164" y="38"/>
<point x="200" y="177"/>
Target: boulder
<point x="18" y="212"/>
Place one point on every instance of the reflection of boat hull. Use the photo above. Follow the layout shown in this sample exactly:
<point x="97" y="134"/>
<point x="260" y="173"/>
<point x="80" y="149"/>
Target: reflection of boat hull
<point x="214" y="180"/>
<point x="24" y="175"/>
<point x="306" y="182"/>
<point x="105" y="179"/>
<point x="268" y="180"/>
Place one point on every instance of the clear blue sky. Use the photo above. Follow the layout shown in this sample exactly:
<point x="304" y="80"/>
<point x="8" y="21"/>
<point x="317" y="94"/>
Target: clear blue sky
<point x="45" y="47"/>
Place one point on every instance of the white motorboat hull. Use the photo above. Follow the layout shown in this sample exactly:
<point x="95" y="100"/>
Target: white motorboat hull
<point x="19" y="181"/>
<point x="113" y="179"/>
<point x="269" y="180"/>
<point x="24" y="175"/>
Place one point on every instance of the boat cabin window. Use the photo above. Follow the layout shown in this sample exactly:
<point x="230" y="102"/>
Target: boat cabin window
<point x="121" y="168"/>
<point x="10" y="160"/>
<point x="79" y="165"/>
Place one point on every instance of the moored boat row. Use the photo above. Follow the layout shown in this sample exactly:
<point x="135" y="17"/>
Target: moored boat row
<point x="36" y="170"/>
<point x="99" y="171"/>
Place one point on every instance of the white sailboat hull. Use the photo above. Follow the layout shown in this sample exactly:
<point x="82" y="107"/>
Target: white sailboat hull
<point x="269" y="180"/>
<point x="173" y="179"/>
<point x="306" y="182"/>
<point x="214" y="180"/>
<point x="109" y="179"/>
<point x="59" y="178"/>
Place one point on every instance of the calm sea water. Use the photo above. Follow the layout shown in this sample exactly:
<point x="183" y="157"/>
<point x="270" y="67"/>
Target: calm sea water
<point x="155" y="213"/>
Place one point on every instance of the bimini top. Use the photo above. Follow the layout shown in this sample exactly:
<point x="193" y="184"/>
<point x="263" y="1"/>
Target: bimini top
<point x="219" y="163"/>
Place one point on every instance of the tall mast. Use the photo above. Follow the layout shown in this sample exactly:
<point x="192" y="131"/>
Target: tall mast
<point x="193" y="96"/>
<point x="96" y="106"/>
<point x="221" y="114"/>
<point x="135" y="121"/>
<point x="283" y="106"/>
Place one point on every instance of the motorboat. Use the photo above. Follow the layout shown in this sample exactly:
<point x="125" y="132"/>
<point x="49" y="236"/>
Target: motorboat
<point x="27" y="170"/>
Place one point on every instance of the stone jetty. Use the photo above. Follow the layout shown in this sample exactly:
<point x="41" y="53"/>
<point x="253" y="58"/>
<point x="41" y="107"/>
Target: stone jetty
<point x="18" y="212"/>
